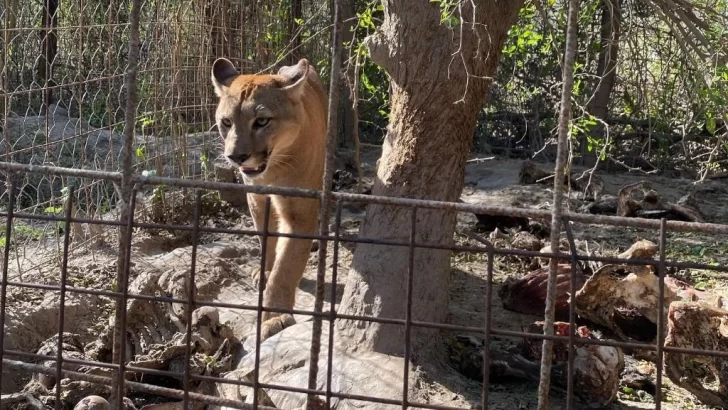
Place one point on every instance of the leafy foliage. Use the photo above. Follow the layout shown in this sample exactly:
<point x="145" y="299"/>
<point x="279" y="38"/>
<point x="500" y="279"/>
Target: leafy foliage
<point x="667" y="105"/>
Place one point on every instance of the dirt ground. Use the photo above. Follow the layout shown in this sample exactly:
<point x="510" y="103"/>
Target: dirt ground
<point x="492" y="181"/>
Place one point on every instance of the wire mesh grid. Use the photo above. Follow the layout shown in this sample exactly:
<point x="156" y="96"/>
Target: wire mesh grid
<point x="413" y="244"/>
<point x="73" y="100"/>
<point x="64" y="88"/>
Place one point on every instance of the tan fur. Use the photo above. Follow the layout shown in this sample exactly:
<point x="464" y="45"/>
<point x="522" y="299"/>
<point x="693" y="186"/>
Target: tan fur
<point x="294" y="137"/>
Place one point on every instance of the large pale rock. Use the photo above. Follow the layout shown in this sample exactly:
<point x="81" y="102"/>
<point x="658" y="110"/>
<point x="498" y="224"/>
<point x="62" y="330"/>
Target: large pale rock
<point x="284" y="360"/>
<point x="222" y="275"/>
<point x="59" y="140"/>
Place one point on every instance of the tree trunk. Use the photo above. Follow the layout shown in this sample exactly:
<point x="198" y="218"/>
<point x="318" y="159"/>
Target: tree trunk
<point x="294" y="35"/>
<point x="50" y="49"/>
<point x="435" y="100"/>
<point x="348" y="119"/>
<point x="607" y="72"/>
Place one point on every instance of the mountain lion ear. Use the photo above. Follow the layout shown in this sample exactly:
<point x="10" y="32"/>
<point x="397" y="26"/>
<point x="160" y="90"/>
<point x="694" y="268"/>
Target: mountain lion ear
<point x="223" y="71"/>
<point x="296" y="75"/>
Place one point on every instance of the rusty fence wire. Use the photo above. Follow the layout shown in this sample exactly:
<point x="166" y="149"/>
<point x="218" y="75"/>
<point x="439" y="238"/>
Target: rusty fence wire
<point x="13" y="359"/>
<point x="64" y="94"/>
<point x="68" y="112"/>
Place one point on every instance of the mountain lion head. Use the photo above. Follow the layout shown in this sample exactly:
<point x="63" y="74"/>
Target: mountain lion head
<point x="259" y="116"/>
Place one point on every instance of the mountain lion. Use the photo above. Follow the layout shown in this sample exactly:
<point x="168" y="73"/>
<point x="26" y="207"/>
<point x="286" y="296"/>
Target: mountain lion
<point x="274" y="130"/>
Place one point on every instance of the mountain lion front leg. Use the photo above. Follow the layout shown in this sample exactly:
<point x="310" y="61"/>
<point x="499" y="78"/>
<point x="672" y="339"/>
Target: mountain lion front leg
<point x="256" y="204"/>
<point x="298" y="216"/>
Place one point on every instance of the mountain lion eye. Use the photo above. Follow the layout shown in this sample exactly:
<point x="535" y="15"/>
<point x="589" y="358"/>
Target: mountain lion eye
<point x="226" y="122"/>
<point x="262" y="122"/>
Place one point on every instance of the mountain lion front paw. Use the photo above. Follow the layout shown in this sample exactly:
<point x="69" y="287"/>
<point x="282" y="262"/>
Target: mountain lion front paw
<point x="275" y="325"/>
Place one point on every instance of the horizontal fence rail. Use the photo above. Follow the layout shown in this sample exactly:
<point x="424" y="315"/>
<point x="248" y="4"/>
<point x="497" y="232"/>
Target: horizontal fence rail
<point x="117" y="96"/>
<point x="331" y="315"/>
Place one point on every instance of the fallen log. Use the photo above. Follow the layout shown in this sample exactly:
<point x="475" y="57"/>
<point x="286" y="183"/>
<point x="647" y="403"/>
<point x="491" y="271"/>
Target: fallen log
<point x="640" y="200"/>
<point x="591" y="185"/>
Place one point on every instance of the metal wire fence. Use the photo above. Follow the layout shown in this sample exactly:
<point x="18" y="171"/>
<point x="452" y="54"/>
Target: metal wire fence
<point x="83" y="136"/>
<point x="64" y="91"/>
<point x="15" y="359"/>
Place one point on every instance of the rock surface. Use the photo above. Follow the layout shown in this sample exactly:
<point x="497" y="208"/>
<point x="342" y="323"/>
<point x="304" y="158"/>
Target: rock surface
<point x="284" y="360"/>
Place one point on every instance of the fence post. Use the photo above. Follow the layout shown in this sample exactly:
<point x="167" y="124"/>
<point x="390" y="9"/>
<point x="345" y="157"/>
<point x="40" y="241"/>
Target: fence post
<point x="125" y="200"/>
<point x="557" y="214"/>
<point x="326" y="197"/>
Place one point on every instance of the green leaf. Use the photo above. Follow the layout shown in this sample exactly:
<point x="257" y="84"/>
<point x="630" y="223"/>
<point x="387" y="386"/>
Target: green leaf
<point x="53" y="210"/>
<point x="452" y="22"/>
<point x="701" y="285"/>
<point x="710" y="124"/>
<point x="628" y="390"/>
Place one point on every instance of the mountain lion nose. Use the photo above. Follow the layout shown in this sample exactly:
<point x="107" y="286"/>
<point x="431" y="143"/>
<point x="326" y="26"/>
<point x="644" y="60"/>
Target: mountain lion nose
<point x="238" y="158"/>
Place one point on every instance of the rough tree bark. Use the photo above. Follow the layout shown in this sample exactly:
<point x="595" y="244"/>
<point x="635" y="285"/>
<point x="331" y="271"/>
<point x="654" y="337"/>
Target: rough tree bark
<point x="49" y="39"/>
<point x="348" y="119"/>
<point x="294" y="37"/>
<point x="437" y="89"/>
<point x="606" y="71"/>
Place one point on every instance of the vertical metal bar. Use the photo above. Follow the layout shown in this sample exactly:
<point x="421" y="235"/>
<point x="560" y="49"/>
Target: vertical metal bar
<point x="660" y="313"/>
<point x="242" y="35"/>
<point x="572" y="318"/>
<point x="127" y="194"/>
<point x="46" y="96"/>
<point x="332" y="308"/>
<point x="4" y="74"/>
<point x="62" y="310"/>
<point x="79" y="96"/>
<point x="488" y="326"/>
<point x="119" y="387"/>
<point x="544" y="385"/>
<point x="408" y="312"/>
<point x="50" y="45"/>
<point x="6" y="264"/>
<point x="108" y="60"/>
<point x="191" y="298"/>
<point x="261" y="288"/>
<point x="325" y="199"/>
<point x="155" y="81"/>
